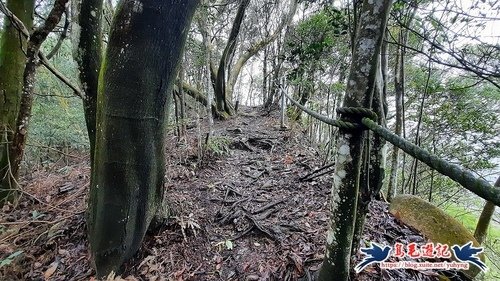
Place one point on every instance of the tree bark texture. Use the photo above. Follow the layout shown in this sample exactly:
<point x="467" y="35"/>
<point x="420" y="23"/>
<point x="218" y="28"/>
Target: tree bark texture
<point x="375" y="156"/>
<point x="12" y="63"/>
<point x="346" y="182"/>
<point x="87" y="52"/>
<point x="135" y="91"/>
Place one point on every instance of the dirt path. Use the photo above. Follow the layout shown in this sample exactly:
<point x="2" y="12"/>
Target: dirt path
<point x="256" y="219"/>
<point x="241" y="213"/>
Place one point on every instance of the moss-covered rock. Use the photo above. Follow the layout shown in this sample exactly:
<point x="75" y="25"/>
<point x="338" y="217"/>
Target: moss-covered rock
<point x="433" y="223"/>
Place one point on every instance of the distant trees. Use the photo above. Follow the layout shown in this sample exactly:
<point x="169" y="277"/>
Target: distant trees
<point x="441" y="73"/>
<point x="313" y="49"/>
<point x="225" y="74"/>
<point x="128" y="170"/>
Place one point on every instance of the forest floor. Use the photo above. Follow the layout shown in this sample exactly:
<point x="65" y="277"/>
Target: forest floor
<point x="239" y="213"/>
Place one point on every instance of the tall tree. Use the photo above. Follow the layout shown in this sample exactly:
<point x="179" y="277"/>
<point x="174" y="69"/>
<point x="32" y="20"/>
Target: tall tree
<point x="346" y="180"/>
<point x="374" y="158"/>
<point x="135" y="86"/>
<point x="407" y="15"/>
<point x="12" y="62"/>
<point x="225" y="75"/>
<point x="37" y="37"/>
<point x="221" y="98"/>
<point x="87" y="52"/>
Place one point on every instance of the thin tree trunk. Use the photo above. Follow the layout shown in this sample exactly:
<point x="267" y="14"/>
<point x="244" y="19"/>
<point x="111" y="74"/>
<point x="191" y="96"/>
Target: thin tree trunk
<point x="176" y="113"/>
<point x="264" y="75"/>
<point x="484" y="220"/>
<point x="12" y="65"/>
<point x="345" y="190"/>
<point x="32" y="60"/>
<point x="182" y="98"/>
<point x="136" y="80"/>
<point x="399" y="88"/>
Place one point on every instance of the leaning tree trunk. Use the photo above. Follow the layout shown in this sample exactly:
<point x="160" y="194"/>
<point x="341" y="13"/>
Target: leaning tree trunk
<point x="256" y="47"/>
<point x="87" y="52"/>
<point x="484" y="220"/>
<point x="12" y="64"/>
<point x="221" y="97"/>
<point x="135" y="86"/>
<point x="345" y="190"/>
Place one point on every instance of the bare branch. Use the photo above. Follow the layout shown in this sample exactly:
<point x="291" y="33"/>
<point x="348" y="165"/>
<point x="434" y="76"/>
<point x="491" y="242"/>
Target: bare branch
<point x="18" y="24"/>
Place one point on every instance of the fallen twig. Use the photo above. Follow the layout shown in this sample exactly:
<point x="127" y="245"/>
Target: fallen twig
<point x="310" y="176"/>
<point x="270" y="205"/>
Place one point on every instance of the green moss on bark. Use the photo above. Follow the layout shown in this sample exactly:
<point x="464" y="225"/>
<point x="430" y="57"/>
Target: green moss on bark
<point x="12" y="63"/>
<point x="136" y="78"/>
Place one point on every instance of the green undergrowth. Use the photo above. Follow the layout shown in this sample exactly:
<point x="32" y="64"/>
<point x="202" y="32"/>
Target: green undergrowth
<point x="218" y="146"/>
<point x="492" y="244"/>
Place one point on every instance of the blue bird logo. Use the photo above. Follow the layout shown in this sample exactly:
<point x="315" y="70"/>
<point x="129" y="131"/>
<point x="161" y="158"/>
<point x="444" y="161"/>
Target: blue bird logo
<point x="374" y="254"/>
<point x="467" y="253"/>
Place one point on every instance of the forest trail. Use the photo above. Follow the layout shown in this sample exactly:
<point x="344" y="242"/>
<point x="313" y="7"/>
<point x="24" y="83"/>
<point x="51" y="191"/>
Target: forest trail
<point x="241" y="213"/>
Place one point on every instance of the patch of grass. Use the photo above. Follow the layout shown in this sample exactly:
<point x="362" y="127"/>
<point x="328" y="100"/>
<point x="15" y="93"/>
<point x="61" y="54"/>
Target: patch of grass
<point x="469" y="220"/>
<point x="492" y="244"/>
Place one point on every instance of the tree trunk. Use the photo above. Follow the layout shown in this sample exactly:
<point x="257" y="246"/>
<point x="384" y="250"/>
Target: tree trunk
<point x="375" y="155"/>
<point x="182" y="98"/>
<point x="399" y="86"/>
<point x="12" y="64"/>
<point x="275" y="80"/>
<point x="32" y="59"/>
<point x="345" y="190"/>
<point x="221" y="96"/>
<point x="135" y="86"/>
<point x="87" y="52"/>
<point x="484" y="220"/>
<point x="264" y="75"/>
<point x="255" y="48"/>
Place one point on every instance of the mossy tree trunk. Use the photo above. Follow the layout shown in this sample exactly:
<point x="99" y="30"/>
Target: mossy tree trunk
<point x="346" y="182"/>
<point x="373" y="170"/>
<point x="135" y="91"/>
<point x="12" y="64"/>
<point x="37" y="37"/>
<point x="87" y="52"/>
<point x="484" y="220"/>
